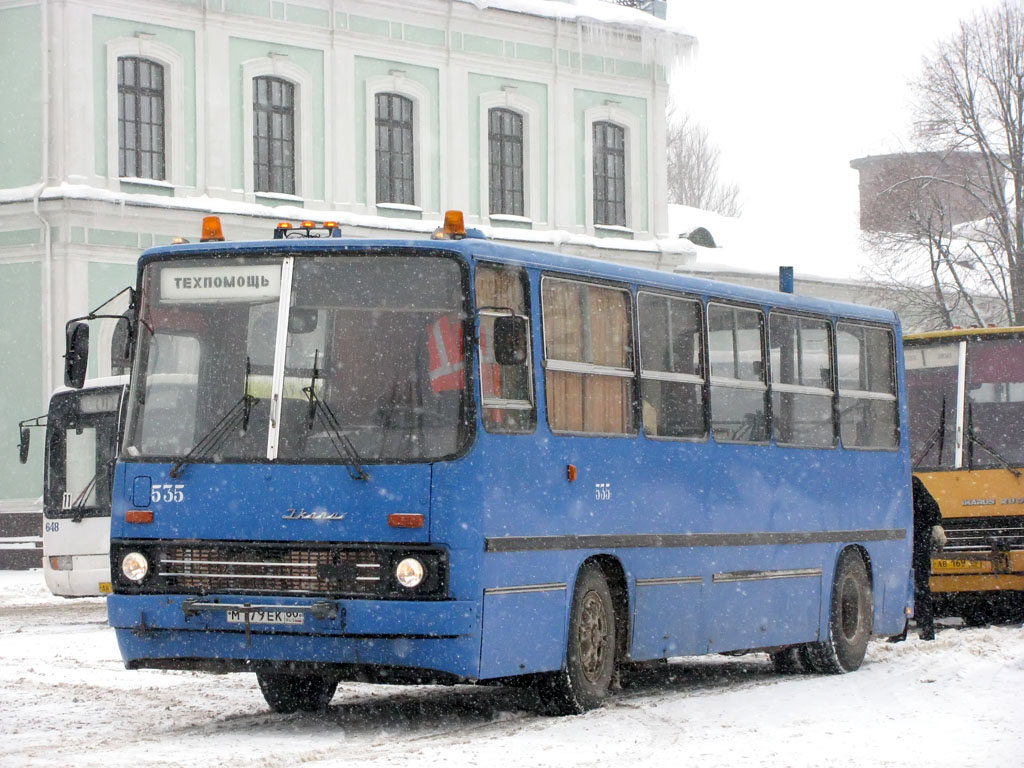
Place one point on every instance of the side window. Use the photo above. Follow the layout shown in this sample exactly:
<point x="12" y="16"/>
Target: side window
<point x="739" y="391"/>
<point x="671" y="366"/>
<point x="506" y="391"/>
<point x="868" y="416"/>
<point x="802" y="393"/>
<point x="588" y="358"/>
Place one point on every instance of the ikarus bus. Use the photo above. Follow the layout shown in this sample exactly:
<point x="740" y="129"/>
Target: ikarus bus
<point x="452" y="460"/>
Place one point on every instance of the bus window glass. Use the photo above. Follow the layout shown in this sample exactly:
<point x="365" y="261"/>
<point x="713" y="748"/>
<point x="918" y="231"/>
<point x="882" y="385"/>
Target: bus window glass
<point x="801" y="358"/>
<point x="671" y="366"/>
<point x="738" y="388"/>
<point x="931" y="396"/>
<point x="588" y="355"/>
<point x="868" y="416"/>
<point x="82" y="437"/>
<point x="380" y="342"/>
<point x="207" y="340"/>
<point x="995" y="403"/>
<point x="506" y="391"/>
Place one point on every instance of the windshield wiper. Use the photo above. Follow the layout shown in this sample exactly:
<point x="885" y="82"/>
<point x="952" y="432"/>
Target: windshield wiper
<point x="319" y="410"/>
<point x="992" y="452"/>
<point x="939" y="433"/>
<point x="237" y="415"/>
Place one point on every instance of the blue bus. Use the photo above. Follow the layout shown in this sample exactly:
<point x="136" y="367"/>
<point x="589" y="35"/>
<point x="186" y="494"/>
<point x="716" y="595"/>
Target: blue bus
<point x="453" y="460"/>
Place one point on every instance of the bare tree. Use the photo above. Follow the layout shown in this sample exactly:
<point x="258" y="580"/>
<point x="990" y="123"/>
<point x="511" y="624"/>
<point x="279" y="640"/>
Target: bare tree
<point x="693" y="176"/>
<point x="969" y="104"/>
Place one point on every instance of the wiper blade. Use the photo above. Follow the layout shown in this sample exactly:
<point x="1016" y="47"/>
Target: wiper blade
<point x="991" y="451"/>
<point x="319" y="410"/>
<point x="939" y="433"/>
<point x="237" y="415"/>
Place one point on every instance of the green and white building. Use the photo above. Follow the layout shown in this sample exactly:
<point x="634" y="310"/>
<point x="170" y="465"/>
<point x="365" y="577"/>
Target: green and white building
<point x="123" y="122"/>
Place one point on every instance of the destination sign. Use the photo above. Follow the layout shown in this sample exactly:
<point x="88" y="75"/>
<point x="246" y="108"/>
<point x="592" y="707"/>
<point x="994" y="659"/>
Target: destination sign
<point x="229" y="283"/>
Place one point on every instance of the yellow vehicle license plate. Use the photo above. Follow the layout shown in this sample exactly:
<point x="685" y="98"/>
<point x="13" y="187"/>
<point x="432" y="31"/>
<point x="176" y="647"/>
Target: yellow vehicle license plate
<point x="973" y="566"/>
<point x="105" y="588"/>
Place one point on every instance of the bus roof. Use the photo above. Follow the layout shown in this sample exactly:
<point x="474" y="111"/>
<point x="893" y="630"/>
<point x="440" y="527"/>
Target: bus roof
<point x="963" y="333"/>
<point x="527" y="257"/>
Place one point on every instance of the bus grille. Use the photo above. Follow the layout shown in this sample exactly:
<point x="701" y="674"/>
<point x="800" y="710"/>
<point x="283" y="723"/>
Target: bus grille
<point x="984" y="534"/>
<point x="205" y="568"/>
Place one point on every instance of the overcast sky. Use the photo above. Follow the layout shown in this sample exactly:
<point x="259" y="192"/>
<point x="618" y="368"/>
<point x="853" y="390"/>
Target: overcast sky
<point x="791" y="91"/>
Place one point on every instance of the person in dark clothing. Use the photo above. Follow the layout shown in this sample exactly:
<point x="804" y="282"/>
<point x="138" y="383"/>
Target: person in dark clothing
<point x="928" y="535"/>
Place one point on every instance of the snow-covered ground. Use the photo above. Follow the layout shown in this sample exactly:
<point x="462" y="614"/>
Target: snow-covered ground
<point x="66" y="700"/>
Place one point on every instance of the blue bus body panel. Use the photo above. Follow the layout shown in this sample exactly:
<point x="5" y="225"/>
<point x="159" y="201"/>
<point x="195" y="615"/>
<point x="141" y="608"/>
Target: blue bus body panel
<point x="263" y="502"/>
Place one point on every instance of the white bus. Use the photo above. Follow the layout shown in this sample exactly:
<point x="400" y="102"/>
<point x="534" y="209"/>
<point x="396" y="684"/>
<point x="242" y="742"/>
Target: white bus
<point x="83" y="431"/>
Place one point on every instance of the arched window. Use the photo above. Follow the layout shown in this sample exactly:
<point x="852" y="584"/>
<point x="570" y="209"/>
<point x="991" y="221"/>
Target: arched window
<point x="609" y="174"/>
<point x="394" y="149"/>
<point x="140" y="118"/>
<point x="505" y="159"/>
<point x="273" y="135"/>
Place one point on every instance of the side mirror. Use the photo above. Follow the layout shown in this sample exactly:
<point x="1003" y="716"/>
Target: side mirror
<point x="76" y="355"/>
<point x="301" y="320"/>
<point x="510" y="336"/>
<point x="121" y="345"/>
<point x="23" y="445"/>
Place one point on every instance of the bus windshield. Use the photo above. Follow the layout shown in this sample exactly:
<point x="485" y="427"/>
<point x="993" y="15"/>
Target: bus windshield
<point x="82" y="445"/>
<point x="368" y="353"/>
<point x="932" y="384"/>
<point x="995" y="402"/>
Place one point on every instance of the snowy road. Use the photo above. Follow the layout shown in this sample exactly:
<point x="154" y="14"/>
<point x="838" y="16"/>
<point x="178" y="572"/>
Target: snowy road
<point x="66" y="699"/>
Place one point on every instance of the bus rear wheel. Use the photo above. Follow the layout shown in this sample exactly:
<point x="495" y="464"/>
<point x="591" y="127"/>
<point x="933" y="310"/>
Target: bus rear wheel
<point x="583" y="683"/>
<point x="288" y="692"/>
<point x="850" y="621"/>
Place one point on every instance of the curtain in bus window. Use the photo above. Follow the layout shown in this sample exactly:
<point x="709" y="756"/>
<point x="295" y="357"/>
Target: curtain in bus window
<point x="931" y="394"/>
<point x="738" y="388"/>
<point x="671" y="369"/>
<point x="868" y="416"/>
<point x="588" y="354"/>
<point x="995" y="402"/>
<point x="801" y="357"/>
<point x="506" y="390"/>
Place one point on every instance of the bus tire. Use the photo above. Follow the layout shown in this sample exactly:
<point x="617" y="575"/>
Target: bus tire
<point x="583" y="683"/>
<point x="851" y="618"/>
<point x="286" y="692"/>
<point x="789" y="660"/>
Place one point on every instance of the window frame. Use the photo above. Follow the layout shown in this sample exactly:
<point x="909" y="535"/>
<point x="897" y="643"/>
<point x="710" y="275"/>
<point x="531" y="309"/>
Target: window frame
<point x="393" y="126"/>
<point x="174" y="109"/>
<point x="632" y="122"/>
<point x="591" y="369"/>
<point x="741" y="384"/>
<point x="487" y="311"/>
<point x="272" y="109"/>
<point x="141" y="94"/>
<point x="497" y="191"/>
<point x="423" y="142"/>
<point x="804" y="389"/>
<point x="599" y="167"/>
<point x="703" y="380"/>
<point x="302" y="80"/>
<point x="858" y="394"/>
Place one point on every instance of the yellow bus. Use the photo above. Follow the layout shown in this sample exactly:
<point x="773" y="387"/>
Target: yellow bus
<point x="966" y="395"/>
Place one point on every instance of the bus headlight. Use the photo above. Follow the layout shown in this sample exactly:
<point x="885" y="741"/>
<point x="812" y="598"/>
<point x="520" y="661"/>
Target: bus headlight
<point x="410" y="572"/>
<point x="135" y="566"/>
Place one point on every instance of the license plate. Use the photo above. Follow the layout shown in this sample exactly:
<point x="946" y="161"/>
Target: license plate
<point x="264" y="616"/>
<point x="105" y="588"/>
<point x="943" y="564"/>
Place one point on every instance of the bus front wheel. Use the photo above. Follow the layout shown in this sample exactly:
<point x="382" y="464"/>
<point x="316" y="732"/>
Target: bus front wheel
<point x="287" y="692"/>
<point x="850" y="621"/>
<point x="590" y="656"/>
